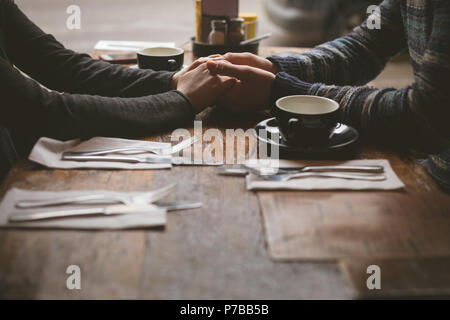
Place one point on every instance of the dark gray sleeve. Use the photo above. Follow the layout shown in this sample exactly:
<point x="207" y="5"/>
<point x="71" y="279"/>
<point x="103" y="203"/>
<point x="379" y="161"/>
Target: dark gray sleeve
<point x="99" y="99"/>
<point x="46" y="60"/>
<point x="34" y="111"/>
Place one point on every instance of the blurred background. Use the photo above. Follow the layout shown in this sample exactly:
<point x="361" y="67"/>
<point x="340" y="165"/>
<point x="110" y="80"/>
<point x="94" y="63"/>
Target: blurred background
<point x="292" y="22"/>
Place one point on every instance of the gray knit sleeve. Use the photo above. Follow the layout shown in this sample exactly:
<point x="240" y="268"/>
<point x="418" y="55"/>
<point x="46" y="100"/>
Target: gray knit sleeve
<point x="356" y="58"/>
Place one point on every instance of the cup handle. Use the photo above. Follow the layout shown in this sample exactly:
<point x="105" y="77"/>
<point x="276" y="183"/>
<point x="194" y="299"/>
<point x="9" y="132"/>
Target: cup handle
<point x="172" y="65"/>
<point x="291" y="126"/>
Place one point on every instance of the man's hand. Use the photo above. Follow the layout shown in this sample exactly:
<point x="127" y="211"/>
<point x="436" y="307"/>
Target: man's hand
<point x="251" y="92"/>
<point x="176" y="76"/>
<point x="248" y="59"/>
<point x="202" y="87"/>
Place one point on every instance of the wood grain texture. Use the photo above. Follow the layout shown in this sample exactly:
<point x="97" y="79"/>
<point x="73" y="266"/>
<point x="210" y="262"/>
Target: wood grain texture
<point x="217" y="251"/>
<point x="332" y="226"/>
<point x="400" y="278"/>
<point x="33" y="263"/>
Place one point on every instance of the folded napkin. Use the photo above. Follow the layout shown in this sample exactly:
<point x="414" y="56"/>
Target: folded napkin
<point x="48" y="152"/>
<point x="392" y="182"/>
<point x="154" y="217"/>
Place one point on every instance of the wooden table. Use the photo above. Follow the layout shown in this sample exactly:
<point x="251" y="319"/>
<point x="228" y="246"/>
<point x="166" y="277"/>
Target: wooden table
<point x="217" y="251"/>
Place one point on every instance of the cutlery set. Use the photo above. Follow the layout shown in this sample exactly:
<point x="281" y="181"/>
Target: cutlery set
<point x="128" y="155"/>
<point x="115" y="205"/>
<point x="143" y="198"/>
<point x="361" y="172"/>
<point x="156" y="150"/>
<point x="106" y="211"/>
<point x="179" y="161"/>
<point x="109" y="204"/>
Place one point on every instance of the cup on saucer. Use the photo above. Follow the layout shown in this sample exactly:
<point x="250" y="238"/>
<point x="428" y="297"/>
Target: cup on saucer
<point x="306" y="120"/>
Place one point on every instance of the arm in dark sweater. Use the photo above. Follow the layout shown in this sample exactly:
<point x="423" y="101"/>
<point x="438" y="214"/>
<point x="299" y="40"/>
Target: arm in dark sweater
<point x="354" y="59"/>
<point x="100" y="99"/>
<point x="30" y="109"/>
<point x="419" y="112"/>
<point x="46" y="60"/>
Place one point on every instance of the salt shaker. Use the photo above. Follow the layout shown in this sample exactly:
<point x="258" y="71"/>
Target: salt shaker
<point x="218" y="33"/>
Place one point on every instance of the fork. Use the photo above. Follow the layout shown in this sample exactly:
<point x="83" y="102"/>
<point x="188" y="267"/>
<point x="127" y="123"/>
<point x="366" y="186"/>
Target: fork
<point x="158" y="151"/>
<point x="147" y="197"/>
<point x="243" y="170"/>
<point x="332" y="168"/>
<point x="289" y="176"/>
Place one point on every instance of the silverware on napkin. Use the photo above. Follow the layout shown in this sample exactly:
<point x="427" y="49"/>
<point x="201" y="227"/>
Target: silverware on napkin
<point x="117" y="158"/>
<point x="106" y="211"/>
<point x="143" y="198"/>
<point x="162" y="155"/>
<point x="156" y="150"/>
<point x="242" y="170"/>
<point x="348" y="176"/>
<point x="64" y="213"/>
<point x="179" y="161"/>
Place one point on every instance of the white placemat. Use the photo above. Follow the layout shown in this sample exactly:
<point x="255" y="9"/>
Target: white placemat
<point x="152" y="218"/>
<point x="48" y="152"/>
<point x="392" y="182"/>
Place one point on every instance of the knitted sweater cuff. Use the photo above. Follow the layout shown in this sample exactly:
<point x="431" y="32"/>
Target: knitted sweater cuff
<point x="289" y="65"/>
<point x="287" y="85"/>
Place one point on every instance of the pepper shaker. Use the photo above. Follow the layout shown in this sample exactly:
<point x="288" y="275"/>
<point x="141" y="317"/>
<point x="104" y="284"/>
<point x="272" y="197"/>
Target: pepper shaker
<point x="235" y="31"/>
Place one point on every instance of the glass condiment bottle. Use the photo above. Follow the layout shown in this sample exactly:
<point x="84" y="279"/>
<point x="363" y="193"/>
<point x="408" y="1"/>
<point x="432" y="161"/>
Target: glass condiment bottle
<point x="235" y="31"/>
<point x="218" y="33"/>
<point x="250" y="24"/>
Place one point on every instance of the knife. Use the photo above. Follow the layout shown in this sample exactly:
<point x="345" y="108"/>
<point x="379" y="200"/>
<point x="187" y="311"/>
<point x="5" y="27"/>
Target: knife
<point x="109" y="210"/>
<point x="149" y="159"/>
<point x="179" y="161"/>
<point x="105" y="211"/>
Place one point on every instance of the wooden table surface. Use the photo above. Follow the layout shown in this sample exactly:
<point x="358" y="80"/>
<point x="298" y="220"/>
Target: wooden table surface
<point x="216" y="252"/>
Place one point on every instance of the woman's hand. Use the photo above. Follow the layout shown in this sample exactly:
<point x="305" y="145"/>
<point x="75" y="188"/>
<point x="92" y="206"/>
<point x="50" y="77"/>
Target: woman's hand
<point x="248" y="59"/>
<point x="201" y="86"/>
<point x="251" y="92"/>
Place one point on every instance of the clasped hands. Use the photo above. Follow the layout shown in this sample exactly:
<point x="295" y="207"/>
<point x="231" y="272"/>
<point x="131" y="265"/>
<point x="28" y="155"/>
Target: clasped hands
<point x="240" y="82"/>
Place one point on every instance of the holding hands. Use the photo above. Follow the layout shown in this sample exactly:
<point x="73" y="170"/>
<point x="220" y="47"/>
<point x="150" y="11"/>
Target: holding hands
<point x="240" y="82"/>
<point x="248" y="59"/>
<point x="252" y="90"/>
<point x="201" y="86"/>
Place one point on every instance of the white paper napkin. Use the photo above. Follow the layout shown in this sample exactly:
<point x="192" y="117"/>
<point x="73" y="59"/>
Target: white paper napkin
<point x="154" y="217"/>
<point x="392" y="182"/>
<point x="48" y="152"/>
